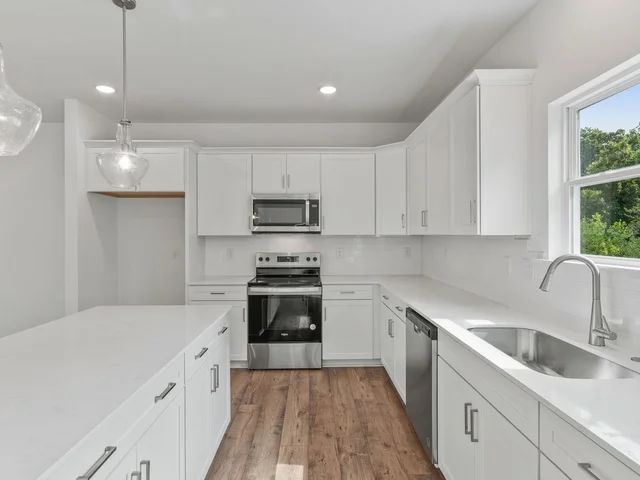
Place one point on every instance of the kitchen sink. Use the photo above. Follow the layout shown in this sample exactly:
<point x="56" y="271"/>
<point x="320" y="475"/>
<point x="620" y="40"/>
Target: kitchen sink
<point x="549" y="355"/>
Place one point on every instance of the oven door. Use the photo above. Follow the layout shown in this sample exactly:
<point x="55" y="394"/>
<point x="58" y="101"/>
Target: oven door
<point x="286" y="315"/>
<point x="273" y="214"/>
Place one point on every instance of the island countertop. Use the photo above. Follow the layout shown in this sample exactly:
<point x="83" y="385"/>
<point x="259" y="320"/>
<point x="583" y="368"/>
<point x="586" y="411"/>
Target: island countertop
<point x="62" y="379"/>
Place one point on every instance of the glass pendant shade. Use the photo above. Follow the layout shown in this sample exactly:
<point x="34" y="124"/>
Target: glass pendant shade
<point x="19" y="118"/>
<point x="121" y="166"/>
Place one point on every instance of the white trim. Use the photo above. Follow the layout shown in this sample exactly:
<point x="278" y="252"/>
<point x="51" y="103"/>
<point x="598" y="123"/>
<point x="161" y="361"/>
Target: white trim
<point x="605" y="177"/>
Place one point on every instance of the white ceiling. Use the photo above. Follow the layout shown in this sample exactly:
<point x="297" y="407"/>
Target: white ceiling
<point x="252" y="60"/>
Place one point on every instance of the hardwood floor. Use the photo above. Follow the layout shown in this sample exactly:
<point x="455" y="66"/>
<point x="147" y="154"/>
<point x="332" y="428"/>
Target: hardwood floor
<point x="330" y="424"/>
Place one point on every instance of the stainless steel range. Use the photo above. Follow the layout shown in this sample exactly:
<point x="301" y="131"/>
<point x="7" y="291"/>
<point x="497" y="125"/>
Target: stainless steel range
<point x="285" y="312"/>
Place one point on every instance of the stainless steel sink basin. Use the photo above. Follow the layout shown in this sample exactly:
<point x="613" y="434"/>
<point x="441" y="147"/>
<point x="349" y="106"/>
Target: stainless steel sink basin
<point x="550" y="355"/>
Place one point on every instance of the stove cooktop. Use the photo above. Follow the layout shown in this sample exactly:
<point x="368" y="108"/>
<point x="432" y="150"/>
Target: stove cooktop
<point x="286" y="281"/>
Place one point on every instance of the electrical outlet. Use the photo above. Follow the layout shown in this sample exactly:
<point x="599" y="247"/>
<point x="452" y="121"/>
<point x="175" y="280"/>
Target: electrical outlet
<point x="339" y="252"/>
<point x="229" y="253"/>
<point x="176" y="254"/>
<point x="407" y="252"/>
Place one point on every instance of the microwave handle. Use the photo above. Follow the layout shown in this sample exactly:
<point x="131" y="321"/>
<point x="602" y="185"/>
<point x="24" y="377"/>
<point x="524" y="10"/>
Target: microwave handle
<point x="307" y="219"/>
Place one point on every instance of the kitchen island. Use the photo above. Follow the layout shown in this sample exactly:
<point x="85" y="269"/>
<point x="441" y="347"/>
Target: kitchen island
<point x="83" y="390"/>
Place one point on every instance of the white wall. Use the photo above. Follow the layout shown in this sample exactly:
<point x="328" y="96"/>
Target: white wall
<point x="277" y="134"/>
<point x="361" y="255"/>
<point x="151" y="251"/>
<point x="569" y="42"/>
<point x="31" y="242"/>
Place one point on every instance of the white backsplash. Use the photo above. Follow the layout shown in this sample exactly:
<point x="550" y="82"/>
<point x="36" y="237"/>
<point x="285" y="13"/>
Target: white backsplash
<point x="360" y="255"/>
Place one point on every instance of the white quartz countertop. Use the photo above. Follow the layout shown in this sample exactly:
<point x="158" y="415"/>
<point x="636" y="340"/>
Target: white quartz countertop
<point x="60" y="380"/>
<point x="607" y="411"/>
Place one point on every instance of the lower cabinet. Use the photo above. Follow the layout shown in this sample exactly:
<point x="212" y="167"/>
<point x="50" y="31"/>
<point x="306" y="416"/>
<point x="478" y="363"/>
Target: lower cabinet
<point x="394" y="349"/>
<point x="208" y="411"/>
<point x="548" y="471"/>
<point x="475" y="440"/>
<point x="347" y="330"/>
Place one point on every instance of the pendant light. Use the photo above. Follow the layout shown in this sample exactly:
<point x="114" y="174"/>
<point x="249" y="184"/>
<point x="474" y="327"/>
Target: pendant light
<point x="19" y="118"/>
<point x="121" y="166"/>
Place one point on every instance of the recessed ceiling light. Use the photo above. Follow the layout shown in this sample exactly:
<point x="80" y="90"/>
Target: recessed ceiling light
<point x="105" y="89"/>
<point x="328" y="90"/>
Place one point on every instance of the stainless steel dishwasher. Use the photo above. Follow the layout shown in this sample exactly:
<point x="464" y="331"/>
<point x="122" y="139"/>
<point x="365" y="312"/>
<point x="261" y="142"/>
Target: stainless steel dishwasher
<point x="422" y="380"/>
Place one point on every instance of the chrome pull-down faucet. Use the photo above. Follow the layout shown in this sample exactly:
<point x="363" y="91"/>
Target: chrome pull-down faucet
<point x="599" y="328"/>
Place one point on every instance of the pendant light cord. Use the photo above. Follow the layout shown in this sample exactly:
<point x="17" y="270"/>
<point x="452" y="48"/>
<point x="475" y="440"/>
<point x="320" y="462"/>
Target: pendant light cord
<point x="124" y="62"/>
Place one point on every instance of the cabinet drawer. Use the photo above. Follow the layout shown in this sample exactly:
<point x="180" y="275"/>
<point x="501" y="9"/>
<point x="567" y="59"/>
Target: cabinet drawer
<point x="520" y="408"/>
<point x="222" y="292"/>
<point x="567" y="448"/>
<point x="347" y="292"/>
<point x="396" y="305"/>
<point x="199" y="349"/>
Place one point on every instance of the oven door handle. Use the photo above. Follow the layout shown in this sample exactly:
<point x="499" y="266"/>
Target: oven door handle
<point x="276" y="291"/>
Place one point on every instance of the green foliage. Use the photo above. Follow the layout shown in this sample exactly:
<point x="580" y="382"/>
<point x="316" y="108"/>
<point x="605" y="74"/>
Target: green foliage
<point x="610" y="213"/>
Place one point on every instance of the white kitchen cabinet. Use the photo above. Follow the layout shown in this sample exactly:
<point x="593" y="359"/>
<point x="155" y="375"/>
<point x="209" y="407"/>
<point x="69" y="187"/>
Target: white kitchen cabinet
<point x="198" y="419"/>
<point x="399" y="331"/>
<point x="437" y="216"/>
<point x="548" y="471"/>
<point x="417" y="188"/>
<point x="161" y="448"/>
<point x="269" y="173"/>
<point x="391" y="191"/>
<point x="303" y="173"/>
<point x="475" y="440"/>
<point x="386" y="341"/>
<point x="124" y="469"/>
<point x="165" y="174"/>
<point x="464" y="124"/>
<point x="348" y="194"/>
<point x="221" y="393"/>
<point x="224" y="194"/>
<point x="347" y="330"/>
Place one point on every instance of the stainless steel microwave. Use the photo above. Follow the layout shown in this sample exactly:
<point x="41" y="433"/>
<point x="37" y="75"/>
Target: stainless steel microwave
<point x="286" y="214"/>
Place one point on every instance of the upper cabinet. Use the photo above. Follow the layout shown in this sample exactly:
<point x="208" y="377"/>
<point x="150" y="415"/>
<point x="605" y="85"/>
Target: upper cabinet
<point x="224" y="194"/>
<point x="436" y="218"/>
<point x="166" y="171"/>
<point x="417" y="187"/>
<point x="391" y="191"/>
<point x="286" y="174"/>
<point x="489" y="129"/>
<point x="348" y="194"/>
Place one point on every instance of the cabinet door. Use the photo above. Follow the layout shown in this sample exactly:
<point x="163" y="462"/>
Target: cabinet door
<point x="198" y="420"/>
<point x="391" y="192"/>
<point x="456" y="452"/>
<point x="437" y="216"/>
<point x="124" y="469"/>
<point x="386" y="340"/>
<point x="399" y="334"/>
<point x="269" y="173"/>
<point x="303" y="174"/>
<point x="548" y="471"/>
<point x="464" y="150"/>
<point x="503" y="453"/>
<point x="160" y="450"/>
<point x="347" y="330"/>
<point x="221" y="395"/>
<point x="238" y="327"/>
<point x="166" y="170"/>
<point x="348" y="194"/>
<point x="417" y="188"/>
<point x="224" y="194"/>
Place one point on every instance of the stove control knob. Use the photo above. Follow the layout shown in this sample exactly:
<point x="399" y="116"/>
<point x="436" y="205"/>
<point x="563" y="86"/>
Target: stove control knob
<point x="312" y="326"/>
<point x="308" y="259"/>
<point x="267" y="259"/>
<point x="315" y="259"/>
<point x="260" y="259"/>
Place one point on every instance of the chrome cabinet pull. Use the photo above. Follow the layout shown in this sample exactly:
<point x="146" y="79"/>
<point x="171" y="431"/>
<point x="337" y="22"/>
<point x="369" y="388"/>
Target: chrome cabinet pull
<point x="221" y="332"/>
<point x="393" y="328"/>
<point x="217" y="367"/>
<point x="389" y="327"/>
<point x="399" y="308"/>
<point x="147" y="468"/>
<point x="137" y="475"/>
<point x="587" y="468"/>
<point x="202" y="352"/>
<point x="466" y="419"/>
<point x="288" y="181"/>
<point x="217" y="293"/>
<point x="385" y="297"/>
<point x="213" y="379"/>
<point x="325" y="314"/>
<point x="474" y="439"/>
<point x="348" y="293"/>
<point x="403" y="220"/>
<point x="283" y="184"/>
<point x="244" y="315"/>
<point x="471" y="212"/>
<point x="422" y="214"/>
<point x="165" y="392"/>
<point x="108" y="451"/>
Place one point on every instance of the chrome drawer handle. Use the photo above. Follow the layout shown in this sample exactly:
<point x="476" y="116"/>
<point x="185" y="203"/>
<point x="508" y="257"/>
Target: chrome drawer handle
<point x="147" y="467"/>
<point x="474" y="439"/>
<point x="398" y="308"/>
<point x="217" y="293"/>
<point x="385" y="297"/>
<point x="221" y="332"/>
<point x="108" y="451"/>
<point x="202" y="352"/>
<point x="165" y="392"/>
<point x="348" y="293"/>
<point x="466" y="419"/>
<point x="587" y="468"/>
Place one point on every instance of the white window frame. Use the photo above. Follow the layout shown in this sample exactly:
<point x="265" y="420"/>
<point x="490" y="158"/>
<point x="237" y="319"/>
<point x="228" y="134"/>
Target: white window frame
<point x="605" y="87"/>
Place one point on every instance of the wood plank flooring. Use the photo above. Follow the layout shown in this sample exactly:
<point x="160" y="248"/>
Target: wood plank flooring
<point x="329" y="424"/>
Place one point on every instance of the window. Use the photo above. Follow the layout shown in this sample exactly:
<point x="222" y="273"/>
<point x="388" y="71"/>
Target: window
<point x="604" y="173"/>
